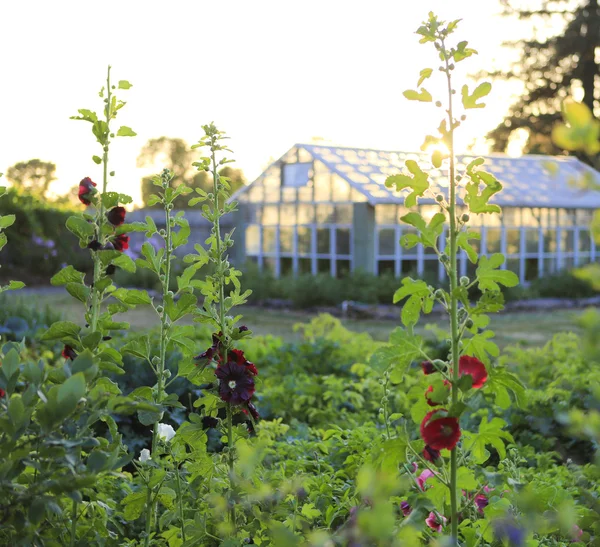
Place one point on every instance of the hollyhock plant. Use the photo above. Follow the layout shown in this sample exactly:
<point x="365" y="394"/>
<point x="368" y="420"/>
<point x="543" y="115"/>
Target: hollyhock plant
<point x="116" y="216"/>
<point x="166" y="432"/>
<point x="121" y="242"/>
<point x="87" y="188"/>
<point x="436" y="522"/>
<point x="241" y="360"/>
<point x="473" y="367"/>
<point x="144" y="455"/>
<point x="213" y="351"/>
<point x="430" y="389"/>
<point x="440" y="433"/>
<point x="422" y="478"/>
<point x="481" y="502"/>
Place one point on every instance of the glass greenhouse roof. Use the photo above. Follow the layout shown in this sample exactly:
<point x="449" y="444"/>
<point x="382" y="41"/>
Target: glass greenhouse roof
<point x="529" y="181"/>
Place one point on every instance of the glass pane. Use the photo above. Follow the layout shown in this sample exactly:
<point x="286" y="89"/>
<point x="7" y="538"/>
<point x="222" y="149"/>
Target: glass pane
<point x="386" y="267"/>
<point x="532" y="269"/>
<point x="531" y="240"/>
<point x="269" y="235"/>
<point x="513" y="238"/>
<point x="343" y="214"/>
<point x="323" y="186"/>
<point x="306" y="214"/>
<point x="286" y="240"/>
<point x="304" y="265"/>
<point x="323" y="241"/>
<point x="305" y="193"/>
<point x="512" y="264"/>
<point x="511" y="216"/>
<point x="550" y="241"/>
<point x="493" y="240"/>
<point x="408" y="267"/>
<point x="288" y="215"/>
<point x="269" y="264"/>
<point x="568" y="241"/>
<point x="252" y="213"/>
<point x="340" y="189"/>
<point x="342" y="241"/>
<point x="584" y="241"/>
<point x="430" y="270"/>
<point x="304" y="240"/>
<point x="272" y="194"/>
<point x="270" y="214"/>
<point x="286" y="265"/>
<point x="549" y="265"/>
<point x="386" y="214"/>
<point x="325" y="214"/>
<point x="387" y="241"/>
<point x="324" y="265"/>
<point x="288" y="195"/>
<point x="252" y="239"/>
<point x="256" y="193"/>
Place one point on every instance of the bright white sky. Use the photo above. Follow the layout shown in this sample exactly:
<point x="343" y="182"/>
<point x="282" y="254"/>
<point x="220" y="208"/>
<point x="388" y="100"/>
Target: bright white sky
<point x="269" y="72"/>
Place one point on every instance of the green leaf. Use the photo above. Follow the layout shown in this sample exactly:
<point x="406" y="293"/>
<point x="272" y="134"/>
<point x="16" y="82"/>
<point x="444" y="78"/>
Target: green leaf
<point x="140" y="347"/>
<point x="70" y="392"/>
<point x="132" y="297"/>
<point x="134" y="504"/>
<point x="125" y="262"/>
<point x="463" y="242"/>
<point x="78" y="291"/>
<point x="424" y="96"/>
<point x="465" y="479"/>
<point x="403" y="349"/>
<point x="6" y="221"/>
<point x="470" y="100"/>
<point x="97" y="160"/>
<point x="411" y="287"/>
<point x="423" y="75"/>
<point x="418" y="183"/>
<point x="489" y="434"/>
<point x="80" y="227"/>
<point x="488" y="276"/>
<point x="61" y="330"/>
<point x="184" y="306"/>
<point x="125" y="131"/>
<point x="67" y="275"/>
<point x="13" y="286"/>
<point x="124" y="84"/>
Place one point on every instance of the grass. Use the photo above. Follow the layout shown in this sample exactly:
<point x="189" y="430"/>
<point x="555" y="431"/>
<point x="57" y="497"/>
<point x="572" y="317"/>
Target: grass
<point x="524" y="328"/>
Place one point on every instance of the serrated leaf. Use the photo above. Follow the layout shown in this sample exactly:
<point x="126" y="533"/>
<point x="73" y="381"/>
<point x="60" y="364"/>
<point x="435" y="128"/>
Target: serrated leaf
<point x="488" y="276"/>
<point x="423" y="75"/>
<point x="124" y="84"/>
<point x="67" y="275"/>
<point x="419" y="182"/>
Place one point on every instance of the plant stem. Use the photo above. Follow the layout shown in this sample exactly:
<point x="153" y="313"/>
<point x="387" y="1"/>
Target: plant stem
<point x="180" y="500"/>
<point x="453" y="298"/>
<point x="73" y="523"/>
<point x="160" y="372"/>
<point x="217" y="227"/>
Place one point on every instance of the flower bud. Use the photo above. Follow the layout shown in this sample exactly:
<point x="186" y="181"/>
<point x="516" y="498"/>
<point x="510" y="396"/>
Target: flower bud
<point x="465" y="218"/>
<point x="469" y="323"/>
<point x="160" y="309"/>
<point x="444" y="258"/>
<point x="162" y="232"/>
<point x="439" y="198"/>
<point x="464" y="281"/>
<point x="156" y="360"/>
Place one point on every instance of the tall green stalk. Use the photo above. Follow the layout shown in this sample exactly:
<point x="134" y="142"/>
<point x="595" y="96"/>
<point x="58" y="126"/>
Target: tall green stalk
<point x="159" y="366"/>
<point x="453" y="295"/>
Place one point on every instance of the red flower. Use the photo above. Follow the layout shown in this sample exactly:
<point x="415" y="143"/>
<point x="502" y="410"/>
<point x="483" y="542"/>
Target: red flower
<point x="428" y="367"/>
<point x="475" y="368"/>
<point x="422" y="478"/>
<point x="253" y="411"/>
<point x="116" y="216"/>
<point x="481" y="502"/>
<point x="2" y="392"/>
<point x="213" y="351"/>
<point x="406" y="509"/>
<point x="439" y="433"/>
<point x="86" y="190"/>
<point x="121" y="242"/>
<point x="430" y="454"/>
<point x="69" y="353"/>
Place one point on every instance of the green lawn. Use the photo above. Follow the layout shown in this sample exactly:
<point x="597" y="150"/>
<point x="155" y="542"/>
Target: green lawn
<point x="524" y="328"/>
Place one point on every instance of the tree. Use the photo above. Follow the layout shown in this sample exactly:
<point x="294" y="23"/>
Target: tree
<point x="33" y="176"/>
<point x="551" y="69"/>
<point x="175" y="154"/>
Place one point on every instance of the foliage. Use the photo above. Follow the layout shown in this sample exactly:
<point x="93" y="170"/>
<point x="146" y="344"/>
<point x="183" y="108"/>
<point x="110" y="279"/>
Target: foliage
<point x="33" y="176"/>
<point x="552" y="62"/>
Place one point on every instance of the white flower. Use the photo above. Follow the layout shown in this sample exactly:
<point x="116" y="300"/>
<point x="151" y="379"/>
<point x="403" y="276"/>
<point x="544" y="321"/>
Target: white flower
<point x="165" y="432"/>
<point x="145" y="455"/>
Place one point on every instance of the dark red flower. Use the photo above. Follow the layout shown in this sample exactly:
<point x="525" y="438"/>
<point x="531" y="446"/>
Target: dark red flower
<point x="475" y="368"/>
<point x="236" y="383"/>
<point x="406" y="509"/>
<point x="243" y="328"/>
<point x="110" y="269"/>
<point x="213" y="351"/>
<point x="116" y="216"/>
<point x="69" y="353"/>
<point x="94" y="245"/>
<point x="430" y="454"/>
<point x="238" y="357"/>
<point x="87" y="188"/>
<point x="428" y="367"/>
<point x="253" y="411"/>
<point x="442" y="432"/>
<point x="121" y="242"/>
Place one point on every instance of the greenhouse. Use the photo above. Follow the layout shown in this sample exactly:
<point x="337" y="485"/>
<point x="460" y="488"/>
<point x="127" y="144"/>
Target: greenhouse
<point x="326" y="209"/>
